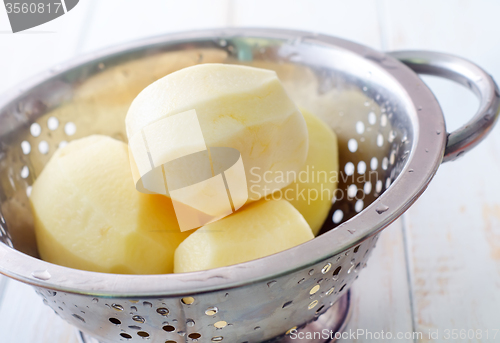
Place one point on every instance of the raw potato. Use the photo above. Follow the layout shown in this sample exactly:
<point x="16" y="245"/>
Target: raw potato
<point x="312" y="191"/>
<point x="88" y="214"/>
<point x="259" y="229"/>
<point x="238" y="107"/>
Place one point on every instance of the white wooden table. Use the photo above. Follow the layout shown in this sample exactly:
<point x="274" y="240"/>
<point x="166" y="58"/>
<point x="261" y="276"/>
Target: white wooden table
<point x="436" y="269"/>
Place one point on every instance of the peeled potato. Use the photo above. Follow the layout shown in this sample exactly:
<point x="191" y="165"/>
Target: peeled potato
<point x="258" y="229"/>
<point x="312" y="191"/>
<point x="237" y="107"/>
<point x="89" y="216"/>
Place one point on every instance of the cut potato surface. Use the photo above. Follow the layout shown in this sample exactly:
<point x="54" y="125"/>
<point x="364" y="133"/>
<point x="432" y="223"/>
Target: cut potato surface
<point x="312" y="191"/>
<point x="88" y="214"/>
<point x="258" y="229"/>
<point x="237" y="107"/>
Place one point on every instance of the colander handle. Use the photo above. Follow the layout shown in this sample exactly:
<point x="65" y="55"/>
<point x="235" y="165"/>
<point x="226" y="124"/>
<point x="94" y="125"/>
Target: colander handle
<point x="473" y="77"/>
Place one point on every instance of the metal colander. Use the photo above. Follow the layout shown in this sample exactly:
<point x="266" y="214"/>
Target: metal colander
<point x="392" y="139"/>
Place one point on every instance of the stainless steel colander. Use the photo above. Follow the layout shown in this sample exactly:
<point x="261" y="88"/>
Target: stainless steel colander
<point x="392" y="139"/>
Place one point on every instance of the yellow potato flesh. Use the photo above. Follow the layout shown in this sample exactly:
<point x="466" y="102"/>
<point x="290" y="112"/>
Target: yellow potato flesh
<point x="238" y="107"/>
<point x="258" y="229"/>
<point x="88" y="214"/>
<point x="312" y="191"/>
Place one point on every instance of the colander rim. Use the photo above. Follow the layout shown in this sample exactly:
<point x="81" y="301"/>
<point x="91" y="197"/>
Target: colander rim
<point x="425" y="156"/>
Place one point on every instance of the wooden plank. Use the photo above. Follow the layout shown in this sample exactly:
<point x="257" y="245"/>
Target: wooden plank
<point x="89" y="26"/>
<point x="24" y="318"/>
<point x="353" y="20"/>
<point x="3" y="286"/>
<point x="381" y="295"/>
<point x="454" y="229"/>
<point x="119" y="21"/>
<point x="380" y="301"/>
<point x="455" y="246"/>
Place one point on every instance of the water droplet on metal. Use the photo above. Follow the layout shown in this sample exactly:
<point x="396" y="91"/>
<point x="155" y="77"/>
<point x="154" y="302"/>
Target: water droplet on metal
<point x="138" y="319"/>
<point x="190" y="322"/>
<point x="223" y="42"/>
<point x="326" y="268"/>
<point x="163" y="311"/>
<point x="79" y="318"/>
<point x="312" y="304"/>
<point x="287" y="304"/>
<point x="43" y="275"/>
<point x="438" y="132"/>
<point x="410" y="171"/>
<point x="381" y="208"/>
<point x="133" y="308"/>
<point x="271" y="283"/>
<point x="311" y="272"/>
<point x="117" y="307"/>
<point x="301" y="280"/>
<point x="147" y="304"/>
<point x="257" y="328"/>
<point x="211" y="311"/>
<point x="351" y="231"/>
<point x="419" y="108"/>
<point x="181" y="333"/>
<point x="426" y="150"/>
<point x="351" y="269"/>
<point x="95" y="301"/>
